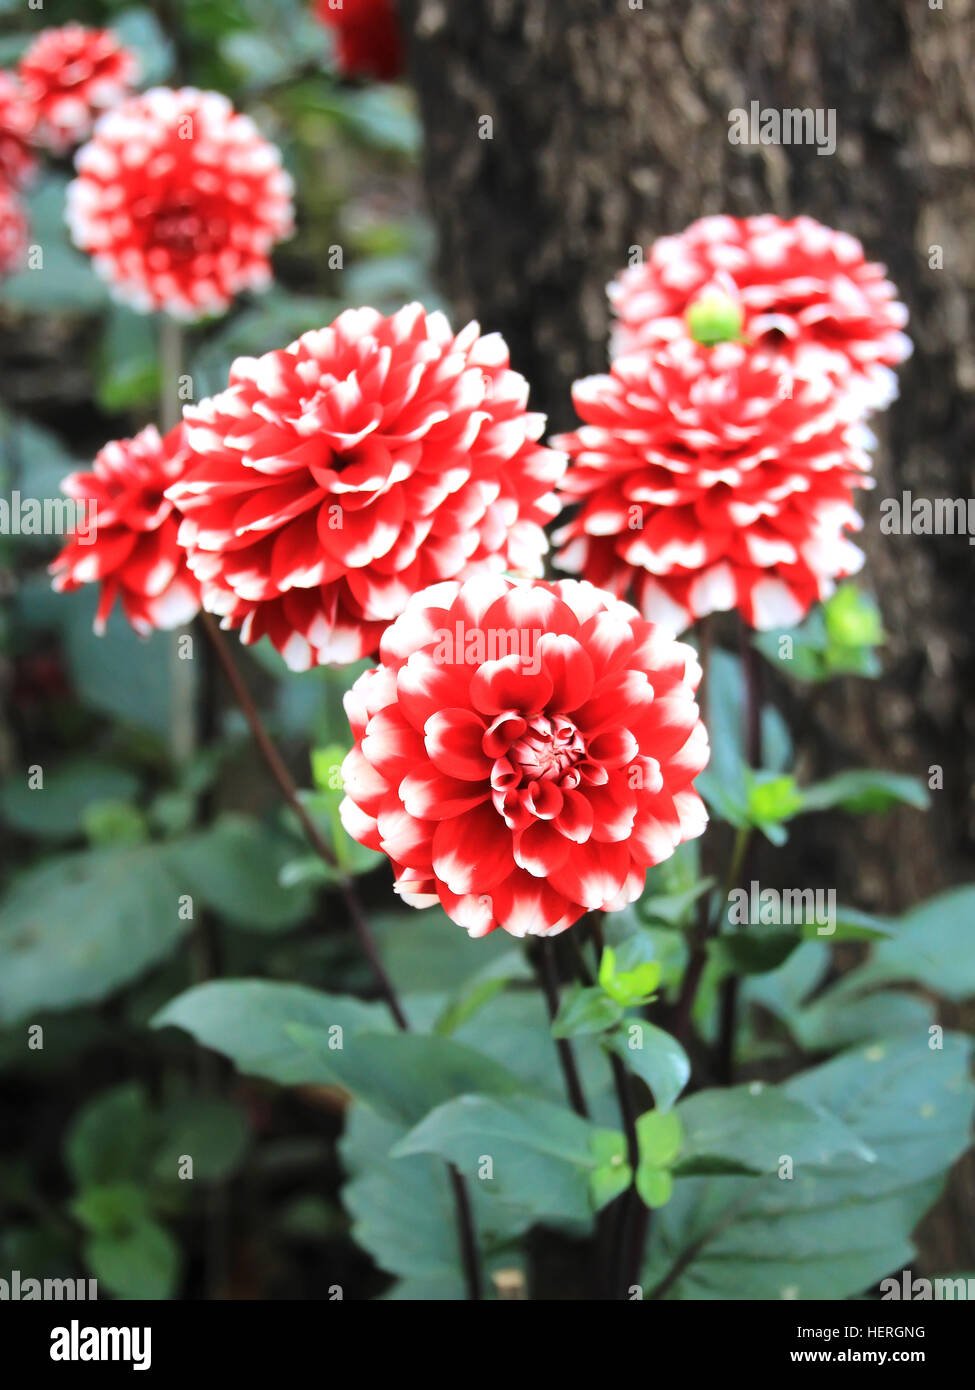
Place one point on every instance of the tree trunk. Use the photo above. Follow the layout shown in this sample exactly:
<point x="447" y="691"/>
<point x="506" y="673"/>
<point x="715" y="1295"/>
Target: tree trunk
<point x="562" y="133"/>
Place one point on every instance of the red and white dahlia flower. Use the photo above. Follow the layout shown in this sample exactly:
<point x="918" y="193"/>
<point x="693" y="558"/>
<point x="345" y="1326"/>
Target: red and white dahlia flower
<point x="802" y="286"/>
<point x="70" y="76"/>
<point x="13" y="231"/>
<point x="128" y="542"/>
<point x="338" y="476"/>
<point x="17" y="163"/>
<point x="179" y="200"/>
<point x="712" y="478"/>
<point x="524" y="752"/>
<point x="368" y="38"/>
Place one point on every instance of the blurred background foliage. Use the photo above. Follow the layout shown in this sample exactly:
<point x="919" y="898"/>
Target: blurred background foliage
<point x="92" y="1123"/>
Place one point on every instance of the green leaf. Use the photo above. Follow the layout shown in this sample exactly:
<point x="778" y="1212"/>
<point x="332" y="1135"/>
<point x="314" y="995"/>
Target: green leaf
<point x="480" y="989"/>
<point x="929" y="945"/>
<point x="139" y="30"/>
<point x="248" y="1021"/>
<point x="234" y="869"/>
<point x="656" y="1057"/>
<point x="403" y="1075"/>
<point x="832" y="1231"/>
<point x="56" y="810"/>
<point x="326" y="766"/>
<point x="853" y="618"/>
<point x="34" y="461"/>
<point x="425" y="952"/>
<point x="514" y="1030"/>
<point x="79" y="926"/>
<point x="628" y="987"/>
<point x="837" y="638"/>
<point x="309" y="871"/>
<point x="534" y="1154"/>
<point x="404" y="1214"/>
<point x="614" y="1174"/>
<point x="655" y="1185"/>
<point x="673" y="909"/>
<point x="852" y="925"/>
<point x="606" y="1184"/>
<point x="752" y="1126"/>
<point x="754" y="951"/>
<point x="772" y="799"/>
<point x="585" y="1010"/>
<point x="210" y="1131"/>
<point x="862" y="792"/>
<point x="111" y="1138"/>
<point x="382" y="116"/>
<point x="298" y="1036"/>
<point x="111" y="1210"/>
<point x="724" y="782"/>
<point x="109" y="823"/>
<point x="119" y="674"/>
<point x="835" y="1020"/>
<point x="659" y="1137"/>
<point x="128" y="361"/>
<point x="142" y="1263"/>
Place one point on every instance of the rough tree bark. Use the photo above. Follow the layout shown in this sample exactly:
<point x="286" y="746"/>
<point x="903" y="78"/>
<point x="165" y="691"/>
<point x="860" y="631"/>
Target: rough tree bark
<point x="609" y="126"/>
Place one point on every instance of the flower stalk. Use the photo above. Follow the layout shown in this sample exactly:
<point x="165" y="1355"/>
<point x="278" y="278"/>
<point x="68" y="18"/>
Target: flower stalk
<point x="467" y="1231"/>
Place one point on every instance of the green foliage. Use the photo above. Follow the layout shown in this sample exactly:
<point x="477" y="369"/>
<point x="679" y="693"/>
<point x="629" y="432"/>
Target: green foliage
<point x="829" y="1231"/>
<point x="585" y="1010"/>
<point x="252" y="1022"/>
<point x="628" y="987"/>
<point x="56" y="810"/>
<point x="656" y="1057"/>
<point x="234" y="868"/>
<point x="541" y="1155"/>
<point x="838" y="638"/>
<point x="63" y="282"/>
<point x="659" y="1139"/>
<point x="80" y="926"/>
<point x="324" y="803"/>
<point x="125" y="1159"/>
<point x="862" y="792"/>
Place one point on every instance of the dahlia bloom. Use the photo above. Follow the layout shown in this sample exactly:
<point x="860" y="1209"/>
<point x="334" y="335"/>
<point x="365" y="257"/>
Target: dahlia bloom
<point x="16" y="128"/>
<point x="336" y="477"/>
<point x="13" y="230"/>
<point x="524" y="752"/>
<point x="179" y="200"/>
<point x="368" y="38"/>
<point x="802" y="286"/>
<point x="712" y="479"/>
<point x="130" y="547"/>
<point x="70" y="76"/>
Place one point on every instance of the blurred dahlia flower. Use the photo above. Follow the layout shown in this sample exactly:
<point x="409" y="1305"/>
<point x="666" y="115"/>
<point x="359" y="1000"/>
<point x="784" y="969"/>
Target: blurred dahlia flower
<point x="129" y="545"/>
<point x="16" y="128"/>
<point x="13" y="231"/>
<point x="524" y="752"/>
<point x="70" y="76"/>
<point x="368" y="38"/>
<point x="802" y="285"/>
<point x="336" y="477"/>
<point x="712" y="478"/>
<point x="179" y="200"/>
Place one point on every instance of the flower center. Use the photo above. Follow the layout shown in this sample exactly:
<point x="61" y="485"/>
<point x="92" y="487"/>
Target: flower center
<point x="184" y="231"/>
<point x="548" y="750"/>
